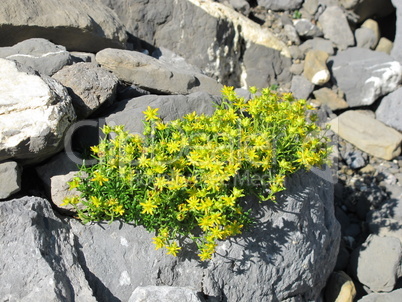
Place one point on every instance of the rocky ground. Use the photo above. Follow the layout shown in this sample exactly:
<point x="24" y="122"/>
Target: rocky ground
<point x="104" y="61"/>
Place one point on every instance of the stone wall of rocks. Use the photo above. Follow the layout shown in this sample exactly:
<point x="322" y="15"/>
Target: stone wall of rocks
<point x="68" y="67"/>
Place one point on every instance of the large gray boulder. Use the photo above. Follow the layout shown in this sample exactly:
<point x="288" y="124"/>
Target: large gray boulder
<point x="39" y="255"/>
<point x="35" y="112"/>
<point x="78" y="25"/>
<point x="90" y="87"/>
<point x="288" y="254"/>
<point x="364" y="75"/>
<point x="39" y="54"/>
<point x="153" y="75"/>
<point x="389" y="111"/>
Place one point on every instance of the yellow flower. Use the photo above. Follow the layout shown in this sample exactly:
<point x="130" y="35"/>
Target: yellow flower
<point x="70" y="200"/>
<point x="173" y="249"/>
<point x="148" y="207"/>
<point x="151" y="114"/>
<point x="99" y="178"/>
<point x="159" y="242"/>
<point x="217" y="233"/>
<point x="95" y="201"/>
<point x="119" y="210"/>
<point x="74" y="183"/>
<point x="205" y="254"/>
<point x="160" y="125"/>
<point x="205" y="223"/>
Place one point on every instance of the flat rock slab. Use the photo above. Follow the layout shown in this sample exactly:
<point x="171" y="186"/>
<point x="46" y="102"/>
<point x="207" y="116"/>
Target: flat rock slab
<point x="368" y="134"/>
<point x="35" y="112"/>
<point x="364" y="75"/>
<point x="153" y="75"/>
<point x="39" y="54"/>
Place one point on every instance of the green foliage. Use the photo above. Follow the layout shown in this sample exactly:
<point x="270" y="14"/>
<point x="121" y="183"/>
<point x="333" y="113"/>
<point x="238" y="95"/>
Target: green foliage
<point x="186" y="178"/>
<point x="297" y="14"/>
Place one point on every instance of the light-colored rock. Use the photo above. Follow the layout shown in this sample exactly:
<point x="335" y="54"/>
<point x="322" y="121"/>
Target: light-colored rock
<point x="39" y="54"/>
<point x="365" y="38"/>
<point x="39" y="255"/>
<point x="291" y="34"/>
<point x="389" y="111"/>
<point x="310" y="6"/>
<point x="77" y="25"/>
<point x="349" y="4"/>
<point x="373" y="26"/>
<point x="330" y="98"/>
<point x="379" y="273"/>
<point x="280" y="4"/>
<point x="340" y="288"/>
<point x="336" y="28"/>
<point x="305" y="28"/>
<point x="150" y="74"/>
<point x="368" y="134"/>
<point x="273" y="261"/>
<point x="394" y="296"/>
<point x="396" y="53"/>
<point x="10" y="179"/>
<point x="315" y="67"/>
<point x="385" y="45"/>
<point x="42" y="108"/>
<point x="89" y="86"/>
<point x="318" y="44"/>
<point x="164" y="294"/>
<point x="364" y="75"/>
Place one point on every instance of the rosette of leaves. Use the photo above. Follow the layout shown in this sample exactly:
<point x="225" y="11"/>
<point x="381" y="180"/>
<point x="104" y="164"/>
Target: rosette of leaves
<point x="186" y="178"/>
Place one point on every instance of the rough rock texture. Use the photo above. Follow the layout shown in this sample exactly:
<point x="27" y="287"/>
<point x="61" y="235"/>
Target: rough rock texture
<point x="396" y="53"/>
<point x="42" y="108"/>
<point x="151" y="74"/>
<point x="330" y="98"/>
<point x="336" y="28"/>
<point x="395" y="296"/>
<point x="368" y="134"/>
<point x="177" y="24"/>
<point x="164" y="294"/>
<point x="380" y="273"/>
<point x="389" y="111"/>
<point x="289" y="253"/>
<point x="89" y="87"/>
<point x="10" y="179"/>
<point x="265" y="67"/>
<point x="315" y="67"/>
<point x="364" y="75"/>
<point x="280" y="4"/>
<point x="39" y="255"/>
<point x="301" y="87"/>
<point x="39" y="54"/>
<point x="78" y="25"/>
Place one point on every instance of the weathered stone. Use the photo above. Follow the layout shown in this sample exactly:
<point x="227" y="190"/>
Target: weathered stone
<point x="396" y="53"/>
<point x="301" y="87"/>
<point x="315" y="67"/>
<point x="10" y="179"/>
<point x="273" y="261"/>
<point x="336" y="28"/>
<point x="265" y="67"/>
<point x="307" y="29"/>
<point x="150" y="74"/>
<point x="330" y="98"/>
<point x="291" y="34"/>
<point x="385" y="45"/>
<point x="242" y="6"/>
<point x="280" y="4"/>
<point x="311" y="6"/>
<point x="89" y="86"/>
<point x="340" y="288"/>
<point x="349" y="4"/>
<point x="42" y="108"/>
<point x="364" y="75"/>
<point x="318" y="44"/>
<point x="39" y="54"/>
<point x="373" y="26"/>
<point x="164" y="294"/>
<point x="365" y="38"/>
<point x="379" y="273"/>
<point x="78" y="25"/>
<point x="39" y="255"/>
<point x="394" y="296"/>
<point x="368" y="134"/>
<point x="297" y="69"/>
<point x="389" y="111"/>
<point x="177" y="24"/>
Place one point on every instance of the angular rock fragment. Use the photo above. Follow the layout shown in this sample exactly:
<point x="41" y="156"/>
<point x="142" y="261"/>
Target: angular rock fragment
<point x="315" y="67"/>
<point x="10" y="179"/>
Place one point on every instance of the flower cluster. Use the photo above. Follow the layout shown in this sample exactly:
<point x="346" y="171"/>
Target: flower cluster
<point x="186" y="178"/>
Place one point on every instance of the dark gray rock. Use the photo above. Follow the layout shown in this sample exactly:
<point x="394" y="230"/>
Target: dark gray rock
<point x="35" y="114"/>
<point x="39" y="255"/>
<point x="77" y="25"/>
<point x="266" y="66"/>
<point x="291" y="34"/>
<point x="307" y="29"/>
<point x="39" y="54"/>
<point x="154" y="75"/>
<point x="288" y="254"/>
<point x="278" y="5"/>
<point x="389" y="110"/>
<point x="336" y="28"/>
<point x="364" y="75"/>
<point x="164" y="294"/>
<point x="318" y="44"/>
<point x="10" y="179"/>
<point x="301" y="87"/>
<point x="379" y="274"/>
<point x="89" y="87"/>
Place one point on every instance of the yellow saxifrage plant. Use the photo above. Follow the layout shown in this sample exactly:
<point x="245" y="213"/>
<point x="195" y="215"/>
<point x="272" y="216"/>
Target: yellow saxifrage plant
<point x="186" y="178"/>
